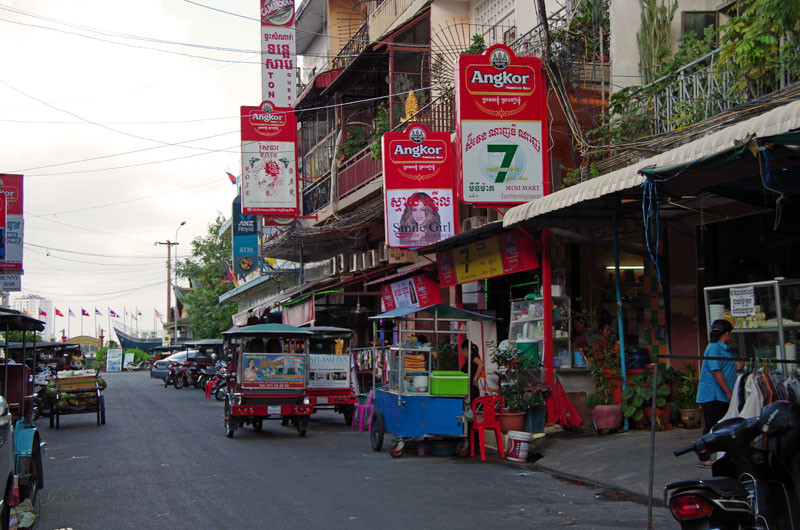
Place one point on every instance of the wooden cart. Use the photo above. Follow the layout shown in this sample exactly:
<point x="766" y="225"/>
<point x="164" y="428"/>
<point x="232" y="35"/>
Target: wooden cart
<point x="84" y="386"/>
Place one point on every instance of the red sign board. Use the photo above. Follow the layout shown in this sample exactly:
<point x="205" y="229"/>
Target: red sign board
<point x="504" y="254"/>
<point x="501" y="128"/>
<point x="417" y="291"/>
<point x="13" y="225"/>
<point x="269" y="161"/>
<point x="418" y="182"/>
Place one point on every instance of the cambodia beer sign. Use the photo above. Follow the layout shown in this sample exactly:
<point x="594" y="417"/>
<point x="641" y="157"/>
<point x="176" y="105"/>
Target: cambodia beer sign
<point x="11" y="190"/>
<point x="501" y="116"/>
<point x="269" y="162"/>
<point x="418" y="187"/>
<point x="278" y="52"/>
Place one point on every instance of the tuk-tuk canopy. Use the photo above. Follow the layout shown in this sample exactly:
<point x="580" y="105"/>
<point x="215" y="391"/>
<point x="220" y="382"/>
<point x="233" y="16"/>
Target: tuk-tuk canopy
<point x="267" y="329"/>
<point x="437" y="310"/>
<point x="18" y="321"/>
<point x="330" y="332"/>
<point x="204" y="342"/>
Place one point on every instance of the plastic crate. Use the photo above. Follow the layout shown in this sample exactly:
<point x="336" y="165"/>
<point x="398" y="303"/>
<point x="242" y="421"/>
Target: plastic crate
<point x="449" y="383"/>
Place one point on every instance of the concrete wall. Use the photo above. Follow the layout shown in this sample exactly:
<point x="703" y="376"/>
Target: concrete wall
<point x="315" y="59"/>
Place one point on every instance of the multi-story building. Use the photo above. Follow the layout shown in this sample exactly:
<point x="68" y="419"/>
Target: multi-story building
<point x="40" y="308"/>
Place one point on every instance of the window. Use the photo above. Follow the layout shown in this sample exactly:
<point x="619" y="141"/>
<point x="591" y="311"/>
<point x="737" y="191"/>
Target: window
<point x="697" y="21"/>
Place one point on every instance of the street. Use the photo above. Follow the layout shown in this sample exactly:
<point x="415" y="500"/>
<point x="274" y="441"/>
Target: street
<point x="162" y="461"/>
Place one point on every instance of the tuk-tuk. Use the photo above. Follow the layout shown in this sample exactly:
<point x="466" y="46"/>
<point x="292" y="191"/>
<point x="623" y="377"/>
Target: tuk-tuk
<point x="268" y="376"/>
<point x="330" y="371"/>
<point x="21" y="447"/>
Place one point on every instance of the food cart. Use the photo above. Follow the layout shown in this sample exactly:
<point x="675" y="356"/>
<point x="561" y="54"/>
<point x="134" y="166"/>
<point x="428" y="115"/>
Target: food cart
<point x="412" y="399"/>
<point x="18" y="432"/>
<point x="268" y="377"/>
<point x="331" y="383"/>
<point x="77" y="392"/>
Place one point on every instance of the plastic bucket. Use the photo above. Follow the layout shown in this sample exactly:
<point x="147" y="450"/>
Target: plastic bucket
<point x="518" y="443"/>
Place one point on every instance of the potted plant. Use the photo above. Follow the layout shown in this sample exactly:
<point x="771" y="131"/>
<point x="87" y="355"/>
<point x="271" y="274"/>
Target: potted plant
<point x="687" y="382"/>
<point x="637" y="398"/>
<point x="518" y="387"/>
<point x="604" y="366"/>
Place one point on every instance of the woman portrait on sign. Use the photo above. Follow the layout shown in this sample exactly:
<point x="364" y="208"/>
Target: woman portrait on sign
<point x="251" y="373"/>
<point x="420" y="222"/>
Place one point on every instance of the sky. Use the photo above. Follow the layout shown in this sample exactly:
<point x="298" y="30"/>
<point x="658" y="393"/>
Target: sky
<point x="123" y="119"/>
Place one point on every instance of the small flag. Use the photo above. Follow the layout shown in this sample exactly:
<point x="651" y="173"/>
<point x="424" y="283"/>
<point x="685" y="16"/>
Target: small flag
<point x="138" y="313"/>
<point x="231" y="177"/>
<point x="158" y="315"/>
<point x="111" y="313"/>
<point x="42" y="313"/>
<point x="231" y="277"/>
<point x="26" y="312"/>
<point x="59" y="313"/>
<point x="97" y="312"/>
<point x="133" y="317"/>
<point x="70" y="312"/>
<point x="84" y="313"/>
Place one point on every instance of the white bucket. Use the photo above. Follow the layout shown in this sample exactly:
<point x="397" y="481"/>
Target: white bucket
<point x="518" y="443"/>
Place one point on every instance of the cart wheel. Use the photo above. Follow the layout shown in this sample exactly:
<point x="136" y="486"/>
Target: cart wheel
<point x="397" y="450"/>
<point x="178" y="383"/>
<point x="258" y="425"/>
<point x="229" y="426"/>
<point x="462" y="448"/>
<point x="302" y="425"/>
<point x="376" y="431"/>
<point x="348" y="415"/>
<point x="102" y="410"/>
<point x="167" y="381"/>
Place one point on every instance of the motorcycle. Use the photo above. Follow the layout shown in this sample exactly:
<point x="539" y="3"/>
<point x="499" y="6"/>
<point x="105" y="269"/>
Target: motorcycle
<point x="171" y="371"/>
<point x="215" y="379"/>
<point x="186" y="374"/>
<point x="755" y="484"/>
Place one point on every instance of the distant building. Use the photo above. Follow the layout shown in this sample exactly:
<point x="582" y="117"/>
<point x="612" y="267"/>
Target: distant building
<point x="32" y="305"/>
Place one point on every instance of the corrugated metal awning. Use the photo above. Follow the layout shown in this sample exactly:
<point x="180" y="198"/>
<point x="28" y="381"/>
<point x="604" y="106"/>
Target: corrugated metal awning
<point x="777" y="121"/>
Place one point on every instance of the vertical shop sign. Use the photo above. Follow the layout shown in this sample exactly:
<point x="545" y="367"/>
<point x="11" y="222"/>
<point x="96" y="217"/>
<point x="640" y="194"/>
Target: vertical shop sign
<point x="417" y="291"/>
<point x="418" y="179"/>
<point x="2" y="228"/>
<point x="501" y="136"/>
<point x="278" y="52"/>
<point x="245" y="239"/>
<point x="269" y="161"/>
<point x="487" y="258"/>
<point x="11" y="189"/>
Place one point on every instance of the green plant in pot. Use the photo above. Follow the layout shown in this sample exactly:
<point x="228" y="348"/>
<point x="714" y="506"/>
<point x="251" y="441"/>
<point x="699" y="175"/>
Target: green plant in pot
<point x="687" y="382"/>
<point x="637" y="398"/>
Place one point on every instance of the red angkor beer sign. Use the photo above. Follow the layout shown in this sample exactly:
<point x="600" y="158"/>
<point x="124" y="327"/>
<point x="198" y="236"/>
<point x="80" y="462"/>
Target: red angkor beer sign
<point x="269" y="162"/>
<point x="419" y="206"/>
<point x="501" y="135"/>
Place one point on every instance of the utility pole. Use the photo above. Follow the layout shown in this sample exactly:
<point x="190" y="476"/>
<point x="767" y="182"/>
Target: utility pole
<point x="169" y="245"/>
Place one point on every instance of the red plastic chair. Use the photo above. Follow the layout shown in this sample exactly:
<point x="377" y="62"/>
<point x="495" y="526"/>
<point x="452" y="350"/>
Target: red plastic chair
<point x="492" y="414"/>
<point x="363" y="411"/>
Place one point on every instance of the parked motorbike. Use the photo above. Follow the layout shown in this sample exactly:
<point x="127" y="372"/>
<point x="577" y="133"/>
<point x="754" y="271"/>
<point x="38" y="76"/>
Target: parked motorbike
<point x="213" y="378"/>
<point x="132" y="367"/>
<point x="220" y="389"/>
<point x="171" y="371"/>
<point x="208" y="373"/>
<point x="187" y="373"/>
<point x="755" y="484"/>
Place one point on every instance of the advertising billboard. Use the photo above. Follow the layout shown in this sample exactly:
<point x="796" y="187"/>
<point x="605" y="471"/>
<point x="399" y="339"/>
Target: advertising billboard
<point x="418" y="179"/>
<point x="245" y="239"/>
<point x="11" y="189"/>
<point x="501" y="128"/>
<point x="269" y="161"/>
<point x="274" y="370"/>
<point x="507" y="253"/>
<point x="278" y="52"/>
<point x="417" y="291"/>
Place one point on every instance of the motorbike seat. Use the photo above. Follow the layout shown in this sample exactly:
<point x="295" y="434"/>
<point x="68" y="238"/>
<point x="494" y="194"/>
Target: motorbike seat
<point x="722" y="486"/>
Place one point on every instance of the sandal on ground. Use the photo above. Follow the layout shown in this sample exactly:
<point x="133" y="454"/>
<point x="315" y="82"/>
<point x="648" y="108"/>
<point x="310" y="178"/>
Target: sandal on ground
<point x="705" y="464"/>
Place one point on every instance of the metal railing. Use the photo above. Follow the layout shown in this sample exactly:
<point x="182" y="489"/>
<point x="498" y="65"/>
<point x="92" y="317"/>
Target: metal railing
<point x="357" y="44"/>
<point x="384" y="15"/>
<point x="317" y="195"/>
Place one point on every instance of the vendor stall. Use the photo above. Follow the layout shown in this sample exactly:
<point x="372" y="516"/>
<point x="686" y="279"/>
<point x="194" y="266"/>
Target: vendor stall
<point x="412" y="398"/>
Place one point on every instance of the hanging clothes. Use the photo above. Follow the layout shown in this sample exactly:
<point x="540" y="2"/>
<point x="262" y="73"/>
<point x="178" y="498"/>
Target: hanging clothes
<point x="753" y="399"/>
<point x="560" y="409"/>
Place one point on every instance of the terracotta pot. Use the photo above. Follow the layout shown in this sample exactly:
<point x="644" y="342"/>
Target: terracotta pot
<point x="512" y="421"/>
<point x="607" y="417"/>
<point x="662" y="414"/>
<point x="691" y="417"/>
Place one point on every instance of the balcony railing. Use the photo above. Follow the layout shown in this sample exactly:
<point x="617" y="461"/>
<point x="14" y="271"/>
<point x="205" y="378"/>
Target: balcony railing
<point x="384" y="16"/>
<point x="317" y="196"/>
<point x="357" y="44"/>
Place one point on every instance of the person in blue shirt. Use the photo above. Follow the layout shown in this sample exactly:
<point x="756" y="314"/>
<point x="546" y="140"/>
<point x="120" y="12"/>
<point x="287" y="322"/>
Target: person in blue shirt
<point x="717" y="377"/>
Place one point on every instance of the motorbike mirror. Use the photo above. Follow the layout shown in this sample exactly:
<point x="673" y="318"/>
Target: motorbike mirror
<point x="213" y="356"/>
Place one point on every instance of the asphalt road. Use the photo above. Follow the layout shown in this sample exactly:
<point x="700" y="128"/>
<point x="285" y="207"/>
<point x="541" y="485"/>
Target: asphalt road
<point x="162" y="461"/>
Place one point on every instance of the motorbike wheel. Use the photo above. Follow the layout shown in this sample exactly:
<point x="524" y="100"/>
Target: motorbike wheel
<point x="179" y="382"/>
<point x="258" y="425"/>
<point x="221" y="394"/>
<point x="198" y="383"/>
<point x="167" y="381"/>
<point x="302" y="425"/>
<point x="348" y="415"/>
<point x="229" y="425"/>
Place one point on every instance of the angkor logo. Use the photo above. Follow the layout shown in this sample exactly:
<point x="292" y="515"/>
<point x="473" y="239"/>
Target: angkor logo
<point x="500" y="59"/>
<point x="417" y="135"/>
<point x="267" y="108"/>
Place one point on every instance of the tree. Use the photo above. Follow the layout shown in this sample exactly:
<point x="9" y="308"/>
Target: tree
<point x="205" y="269"/>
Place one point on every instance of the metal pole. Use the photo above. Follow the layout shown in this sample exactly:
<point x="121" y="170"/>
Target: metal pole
<point x="618" y="281"/>
<point x="652" y="445"/>
<point x="177" y="315"/>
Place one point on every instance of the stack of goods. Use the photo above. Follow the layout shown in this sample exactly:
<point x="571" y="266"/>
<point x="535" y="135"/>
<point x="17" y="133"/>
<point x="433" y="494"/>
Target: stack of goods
<point x="415" y="362"/>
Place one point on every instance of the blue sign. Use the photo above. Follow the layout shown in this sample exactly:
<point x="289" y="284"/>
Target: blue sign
<point x="245" y="239"/>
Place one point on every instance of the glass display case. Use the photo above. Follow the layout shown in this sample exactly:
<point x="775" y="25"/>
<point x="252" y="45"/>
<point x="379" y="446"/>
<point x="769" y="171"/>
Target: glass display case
<point x="414" y="378"/>
<point x="526" y="329"/>
<point x="765" y="317"/>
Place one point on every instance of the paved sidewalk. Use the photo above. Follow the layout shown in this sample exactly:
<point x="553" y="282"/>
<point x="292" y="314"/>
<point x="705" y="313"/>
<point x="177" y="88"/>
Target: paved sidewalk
<point x="621" y="461"/>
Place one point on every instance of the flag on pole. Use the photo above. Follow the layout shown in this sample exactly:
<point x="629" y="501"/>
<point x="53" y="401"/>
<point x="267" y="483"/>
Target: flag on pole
<point x="158" y="315"/>
<point x="231" y="177"/>
<point x="70" y="312"/>
<point x="111" y="313"/>
<point x="97" y="312"/>
<point x="59" y="313"/>
<point x="42" y="313"/>
<point x="84" y="313"/>
<point x="231" y="277"/>
<point x="138" y="313"/>
<point x="26" y="312"/>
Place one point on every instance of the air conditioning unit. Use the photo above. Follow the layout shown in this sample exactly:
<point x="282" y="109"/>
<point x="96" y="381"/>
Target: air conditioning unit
<point x="371" y="259"/>
<point x="383" y="254"/>
<point x="334" y="264"/>
<point x="356" y="262"/>
<point x="471" y="223"/>
<point x="342" y="263"/>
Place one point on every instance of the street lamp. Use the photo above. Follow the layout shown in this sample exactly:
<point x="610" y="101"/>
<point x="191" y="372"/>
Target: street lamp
<point x="176" y="281"/>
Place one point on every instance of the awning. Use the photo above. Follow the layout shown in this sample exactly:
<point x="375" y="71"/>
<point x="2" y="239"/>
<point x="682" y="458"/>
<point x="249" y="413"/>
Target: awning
<point x="438" y="310"/>
<point x="402" y="273"/>
<point x="706" y="154"/>
<point x="482" y="232"/>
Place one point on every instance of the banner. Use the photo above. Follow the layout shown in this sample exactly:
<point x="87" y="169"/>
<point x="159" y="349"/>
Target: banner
<point x="245" y="239"/>
<point x="418" y="177"/>
<point x="273" y="370"/>
<point x="501" y="125"/>
<point x="11" y="189"/>
<point x="417" y="291"/>
<point x="269" y="161"/>
<point x="113" y="360"/>
<point x="495" y="256"/>
<point x="278" y="52"/>
<point x="329" y="371"/>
